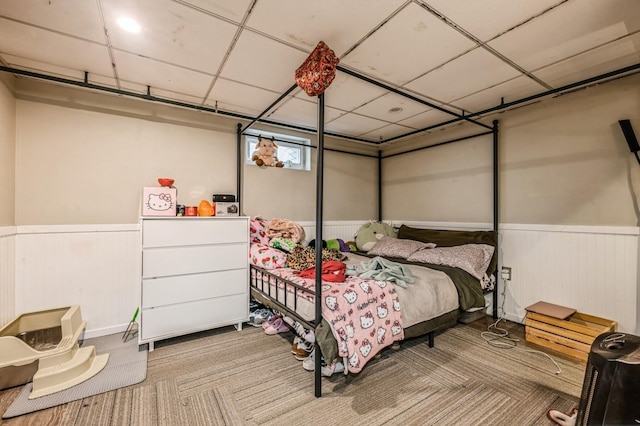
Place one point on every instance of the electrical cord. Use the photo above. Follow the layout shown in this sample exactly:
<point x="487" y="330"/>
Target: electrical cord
<point x="499" y="337"/>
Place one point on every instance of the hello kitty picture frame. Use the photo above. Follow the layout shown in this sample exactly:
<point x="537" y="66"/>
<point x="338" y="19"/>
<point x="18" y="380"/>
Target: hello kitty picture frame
<point x="159" y="201"/>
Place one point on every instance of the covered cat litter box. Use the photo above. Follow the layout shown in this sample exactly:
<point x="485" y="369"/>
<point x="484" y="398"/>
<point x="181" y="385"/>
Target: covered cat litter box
<point x="44" y="347"/>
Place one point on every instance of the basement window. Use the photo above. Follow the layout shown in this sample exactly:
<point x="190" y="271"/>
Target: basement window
<point x="293" y="151"/>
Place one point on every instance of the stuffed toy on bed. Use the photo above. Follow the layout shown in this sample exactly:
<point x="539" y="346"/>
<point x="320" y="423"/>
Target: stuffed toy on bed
<point x="266" y="153"/>
<point x="369" y="234"/>
<point x="337" y="244"/>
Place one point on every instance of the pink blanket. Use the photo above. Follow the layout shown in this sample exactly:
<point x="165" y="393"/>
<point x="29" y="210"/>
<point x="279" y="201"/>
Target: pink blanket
<point x="364" y="316"/>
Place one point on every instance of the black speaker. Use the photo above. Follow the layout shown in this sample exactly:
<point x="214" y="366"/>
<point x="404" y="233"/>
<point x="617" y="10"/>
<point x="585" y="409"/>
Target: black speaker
<point x="625" y="125"/>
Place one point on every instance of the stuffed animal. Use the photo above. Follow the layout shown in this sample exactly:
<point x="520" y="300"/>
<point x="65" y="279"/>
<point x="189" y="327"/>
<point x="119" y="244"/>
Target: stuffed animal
<point x="266" y="153"/>
<point x="337" y="244"/>
<point x="369" y="234"/>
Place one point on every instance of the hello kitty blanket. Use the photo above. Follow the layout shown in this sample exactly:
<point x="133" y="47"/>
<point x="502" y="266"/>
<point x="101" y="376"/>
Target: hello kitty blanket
<point x="365" y="317"/>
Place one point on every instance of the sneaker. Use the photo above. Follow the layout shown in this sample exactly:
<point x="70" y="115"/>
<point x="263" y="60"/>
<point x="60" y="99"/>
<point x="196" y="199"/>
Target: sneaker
<point x="260" y="316"/>
<point x="252" y="318"/>
<point x="294" y="345"/>
<point x="309" y="363"/>
<point x="303" y="350"/>
<point x="328" y="370"/>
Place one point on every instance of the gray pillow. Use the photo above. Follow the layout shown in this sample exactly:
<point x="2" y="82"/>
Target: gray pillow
<point x="473" y="258"/>
<point x="393" y="247"/>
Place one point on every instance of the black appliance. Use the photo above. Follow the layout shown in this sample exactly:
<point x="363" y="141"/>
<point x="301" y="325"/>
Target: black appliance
<point x="611" y="387"/>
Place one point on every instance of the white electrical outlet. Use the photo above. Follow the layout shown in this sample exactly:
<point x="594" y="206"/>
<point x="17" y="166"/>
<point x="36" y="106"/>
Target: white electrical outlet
<point x="505" y="273"/>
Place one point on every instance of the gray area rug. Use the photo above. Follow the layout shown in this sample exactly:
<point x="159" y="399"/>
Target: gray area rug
<point x="126" y="366"/>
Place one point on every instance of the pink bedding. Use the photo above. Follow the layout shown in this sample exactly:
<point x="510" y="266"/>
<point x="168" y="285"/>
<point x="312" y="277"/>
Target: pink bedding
<point x="364" y="314"/>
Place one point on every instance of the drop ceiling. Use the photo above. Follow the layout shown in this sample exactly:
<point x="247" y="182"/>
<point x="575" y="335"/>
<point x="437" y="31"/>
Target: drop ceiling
<point x="238" y="57"/>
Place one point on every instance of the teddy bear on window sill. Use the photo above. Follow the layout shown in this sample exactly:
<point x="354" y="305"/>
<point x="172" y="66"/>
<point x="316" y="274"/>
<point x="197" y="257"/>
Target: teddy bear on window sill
<point x="266" y="153"/>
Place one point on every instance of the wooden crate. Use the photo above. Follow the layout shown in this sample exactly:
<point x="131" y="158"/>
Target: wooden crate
<point x="572" y="336"/>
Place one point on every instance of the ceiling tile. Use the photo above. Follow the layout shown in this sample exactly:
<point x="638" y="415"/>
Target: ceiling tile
<point x="387" y="132"/>
<point x="413" y="42"/>
<point x="53" y="48"/>
<point x="232" y="10"/>
<point x="164" y="76"/>
<point x="347" y="92"/>
<point x="418" y="44"/>
<point x="302" y="112"/>
<point x="111" y="82"/>
<point x="611" y="57"/>
<point x="79" y="18"/>
<point x="512" y="90"/>
<point x="179" y="97"/>
<point x="39" y="67"/>
<point x="427" y="118"/>
<point x="567" y="30"/>
<point x="354" y="125"/>
<point x="171" y="33"/>
<point x="263" y="62"/>
<point x="486" y="19"/>
<point x="340" y="24"/>
<point x="381" y="108"/>
<point x="238" y="97"/>
<point x="467" y="74"/>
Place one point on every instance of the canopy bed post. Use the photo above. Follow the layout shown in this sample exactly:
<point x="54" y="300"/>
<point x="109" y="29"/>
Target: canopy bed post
<point x="496" y="206"/>
<point x="319" y="192"/>
<point x="239" y="166"/>
<point x="380" y="185"/>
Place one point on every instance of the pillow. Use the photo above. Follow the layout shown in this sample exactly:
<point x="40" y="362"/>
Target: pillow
<point x="258" y="231"/>
<point x="473" y="258"/>
<point x="445" y="238"/>
<point x="267" y="257"/>
<point x="393" y="247"/>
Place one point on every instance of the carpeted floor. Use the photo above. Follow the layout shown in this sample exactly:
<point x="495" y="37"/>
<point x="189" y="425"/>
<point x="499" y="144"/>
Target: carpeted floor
<point x="226" y="377"/>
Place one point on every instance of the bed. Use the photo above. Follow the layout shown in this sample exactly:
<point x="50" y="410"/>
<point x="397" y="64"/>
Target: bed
<point x="452" y="272"/>
<point x="287" y="296"/>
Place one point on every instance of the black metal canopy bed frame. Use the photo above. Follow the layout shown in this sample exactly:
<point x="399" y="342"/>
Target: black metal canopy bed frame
<point x="283" y="295"/>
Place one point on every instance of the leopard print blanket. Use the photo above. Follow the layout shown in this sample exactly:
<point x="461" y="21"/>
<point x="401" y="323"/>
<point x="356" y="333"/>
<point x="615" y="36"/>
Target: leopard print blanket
<point x="303" y="257"/>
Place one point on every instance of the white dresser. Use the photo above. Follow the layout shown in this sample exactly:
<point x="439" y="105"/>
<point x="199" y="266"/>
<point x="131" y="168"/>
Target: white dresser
<point x="195" y="275"/>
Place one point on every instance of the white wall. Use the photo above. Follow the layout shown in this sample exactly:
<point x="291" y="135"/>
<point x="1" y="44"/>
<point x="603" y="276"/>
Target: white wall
<point x="591" y="269"/>
<point x="7" y="199"/>
<point x="7" y="153"/>
<point x="569" y="190"/>
<point x="79" y="166"/>
<point x="7" y="274"/>
<point x="84" y="158"/>
<point x="94" y="266"/>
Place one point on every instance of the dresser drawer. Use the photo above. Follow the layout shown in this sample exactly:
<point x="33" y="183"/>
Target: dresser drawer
<point x="184" y="231"/>
<point x="185" y="318"/>
<point x="163" y="261"/>
<point x="186" y="288"/>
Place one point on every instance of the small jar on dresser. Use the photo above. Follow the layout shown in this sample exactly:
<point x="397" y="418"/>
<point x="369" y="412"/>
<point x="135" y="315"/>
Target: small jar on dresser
<point x="195" y="275"/>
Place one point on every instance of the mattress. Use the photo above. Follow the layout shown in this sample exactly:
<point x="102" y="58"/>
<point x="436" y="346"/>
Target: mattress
<point x="430" y="296"/>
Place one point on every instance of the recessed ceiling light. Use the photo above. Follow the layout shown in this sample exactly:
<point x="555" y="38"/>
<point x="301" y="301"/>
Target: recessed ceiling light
<point x="395" y="110"/>
<point x="129" y="24"/>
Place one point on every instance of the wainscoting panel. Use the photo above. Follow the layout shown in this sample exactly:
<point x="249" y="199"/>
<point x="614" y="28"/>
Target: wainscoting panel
<point x="7" y="275"/>
<point x="96" y="267"/>
<point x="591" y="269"/>
<point x="345" y="230"/>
